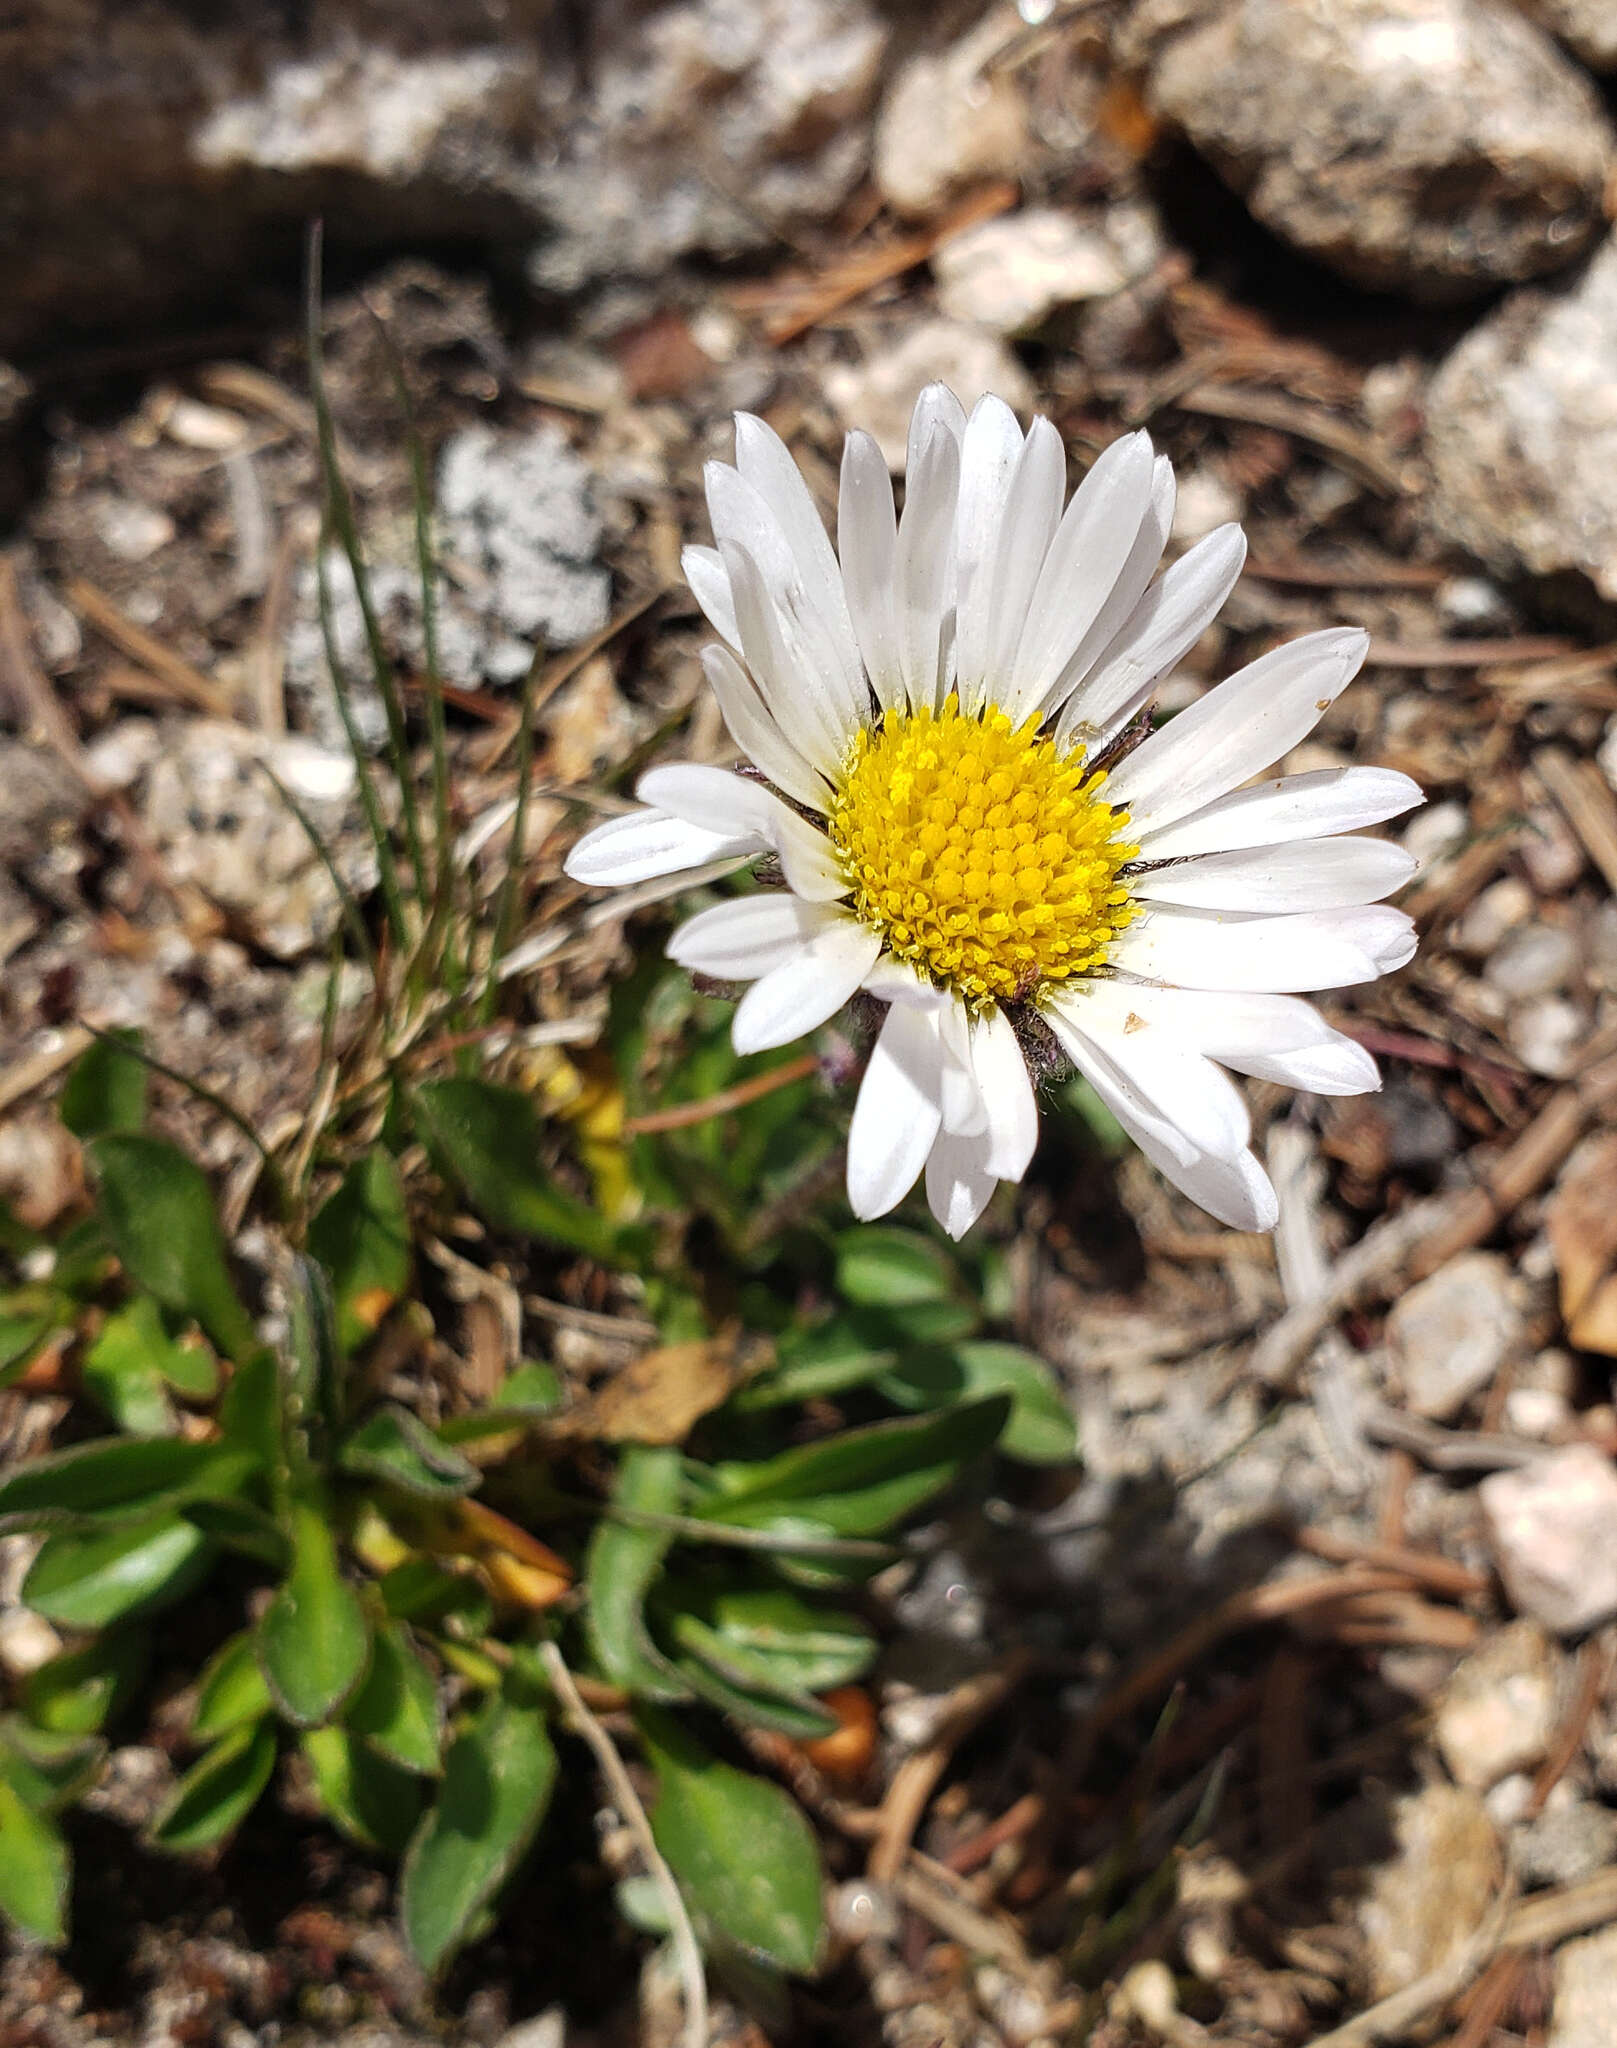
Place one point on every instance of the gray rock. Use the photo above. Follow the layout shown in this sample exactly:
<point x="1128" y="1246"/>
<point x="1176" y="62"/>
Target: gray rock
<point x="948" y="121"/>
<point x="1533" y="960"/>
<point x="1568" y="1842"/>
<point x="1436" y="147"/>
<point x="1521" y="432"/>
<point x="1552" y="1527"/>
<point x="1588" y="27"/>
<point x="1547" y="1035"/>
<point x="1451" y="1332"/>
<point x="1009" y="275"/>
<point x="1424" y="1905"/>
<point x="1585" y="2010"/>
<point x="1498" y="1711"/>
<point x="152" y="155"/>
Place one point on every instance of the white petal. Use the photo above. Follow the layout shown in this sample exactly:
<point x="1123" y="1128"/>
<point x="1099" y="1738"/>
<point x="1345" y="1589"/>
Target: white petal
<point x="959" y="1181"/>
<point x="766" y="462"/>
<point x="1137" y="1112"/>
<point x="1311" y="806"/>
<point x="1273" y="1038"/>
<point x="715" y="798"/>
<point x="1237" y="729"/>
<point x="1314" y="949"/>
<point x="867" y="540"/>
<point x="755" y="732"/>
<point x="799" y="996"/>
<point x="1166" y="624"/>
<point x="1129" y="588"/>
<point x="1090" y="550"/>
<point x="989" y="456"/>
<point x="898" y="1114"/>
<point x="790" y="679"/>
<point x="1032" y="515"/>
<point x="1309" y="874"/>
<point x="1338" y="1068"/>
<point x="749" y="936"/>
<point x="1156" y="1066"/>
<point x="936" y="409"/>
<point x="710" y="586"/>
<point x="1236" y="1192"/>
<point x="647" y="844"/>
<point x="1007" y="1092"/>
<point x="891" y="981"/>
<point x="925" y="565"/>
<point x="964" y="1111"/>
<point x="803" y="582"/>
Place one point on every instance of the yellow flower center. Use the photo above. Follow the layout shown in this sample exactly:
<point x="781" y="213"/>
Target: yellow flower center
<point x="984" y="855"/>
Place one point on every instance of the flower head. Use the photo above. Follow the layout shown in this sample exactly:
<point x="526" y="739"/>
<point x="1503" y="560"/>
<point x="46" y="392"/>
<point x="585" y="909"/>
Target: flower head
<point x="975" y="825"/>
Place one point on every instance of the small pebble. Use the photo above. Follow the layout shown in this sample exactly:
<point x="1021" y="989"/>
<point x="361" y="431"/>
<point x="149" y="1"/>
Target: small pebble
<point x="1585" y="2009"/>
<point x="1547" y="1035"/>
<point x="1496" y="912"/>
<point x="1552" y="1527"/>
<point x="1450" y="1333"/>
<point x="1498" y="1712"/>
<point x="1532" y="960"/>
<point x="861" y="1911"/>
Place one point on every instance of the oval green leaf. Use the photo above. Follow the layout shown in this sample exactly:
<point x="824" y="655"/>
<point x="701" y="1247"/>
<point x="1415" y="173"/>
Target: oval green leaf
<point x="105" y="1089"/>
<point x="362" y="1238"/>
<point x="78" y="1692"/>
<point x="497" y="1782"/>
<point x="489" y="1139"/>
<point x="219" y="1790"/>
<point x="879" y="1266"/>
<point x="745" y="1857"/>
<point x="623" y="1564"/>
<point x="231" y="1692"/>
<point x="372" y="1801"/>
<point x="1040" y="1429"/>
<point x="394" y="1445"/>
<point x="87" y="1579"/>
<point x="159" y="1213"/>
<point x="313" y="1643"/>
<point x="34" y="1869"/>
<point x="396" y="1708"/>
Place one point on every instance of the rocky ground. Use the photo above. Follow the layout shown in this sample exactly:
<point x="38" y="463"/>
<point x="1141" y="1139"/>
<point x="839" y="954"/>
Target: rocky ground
<point x="1300" y="1707"/>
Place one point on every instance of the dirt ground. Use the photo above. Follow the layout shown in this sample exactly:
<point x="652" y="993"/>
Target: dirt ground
<point x="1180" y="1755"/>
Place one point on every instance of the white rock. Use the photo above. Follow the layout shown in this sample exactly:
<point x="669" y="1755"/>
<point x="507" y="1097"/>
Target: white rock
<point x="1585" y="2010"/>
<point x="1429" y="146"/>
<point x="130" y="530"/>
<point x="1204" y="501"/>
<point x="1521" y="431"/>
<point x="948" y="122"/>
<point x="1547" y="1034"/>
<point x="1424" y="1906"/>
<point x="1009" y="275"/>
<point x="1435" y="832"/>
<point x="1606" y="752"/>
<point x="880" y="393"/>
<point x="1551" y="851"/>
<point x="1533" y="960"/>
<point x="27" y="1641"/>
<point x="1451" y="1332"/>
<point x="1498" y="910"/>
<point x="1588" y="27"/>
<point x="1552" y="1526"/>
<point x="1497" y="1713"/>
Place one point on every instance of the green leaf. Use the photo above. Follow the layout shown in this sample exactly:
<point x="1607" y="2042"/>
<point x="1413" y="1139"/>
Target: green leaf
<point x="394" y="1445"/>
<point x="115" y="1476"/>
<point x="860" y="1481"/>
<point x="158" y="1211"/>
<point x="372" y="1800"/>
<point x="239" y="1525"/>
<point x="1041" y="1429"/>
<point x="489" y="1139"/>
<point x="497" y="1782"/>
<point x="739" y="1682"/>
<point x="816" y="1365"/>
<point x="78" y="1692"/>
<point x="623" y="1565"/>
<point x="47" y="1769"/>
<point x="105" y="1089"/>
<point x="313" y="1643"/>
<point x="219" y="1790"/>
<point x="28" y="1315"/>
<point x="252" y="1413"/>
<point x="231" y="1692"/>
<point x="362" y="1238"/>
<point x="34" y="1869"/>
<point x="531" y="1388"/>
<point x="809" y="1648"/>
<point x="396" y="1708"/>
<point x="879" y="1266"/>
<point x="86" y="1579"/>
<point x="123" y="1373"/>
<point x="421" y="1590"/>
<point x="745" y="1857"/>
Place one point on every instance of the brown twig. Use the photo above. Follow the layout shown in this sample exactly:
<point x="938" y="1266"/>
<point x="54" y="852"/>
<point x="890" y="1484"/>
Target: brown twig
<point x="187" y="683"/>
<point x="1594" y="1668"/>
<point x="724" y="1101"/>
<point x="916" y="1778"/>
<point x="1437" y="1574"/>
<point x="1348" y="575"/>
<point x="1464" y="653"/>
<point x="1585" y="797"/>
<point x="1486" y="2003"/>
<point x="1354" y="452"/>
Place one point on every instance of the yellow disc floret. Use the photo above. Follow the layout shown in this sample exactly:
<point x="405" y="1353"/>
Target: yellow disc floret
<point x="985" y="856"/>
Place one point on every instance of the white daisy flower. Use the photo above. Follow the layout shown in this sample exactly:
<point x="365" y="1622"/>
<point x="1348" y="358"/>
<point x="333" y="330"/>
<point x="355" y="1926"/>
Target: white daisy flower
<point x="944" y="722"/>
